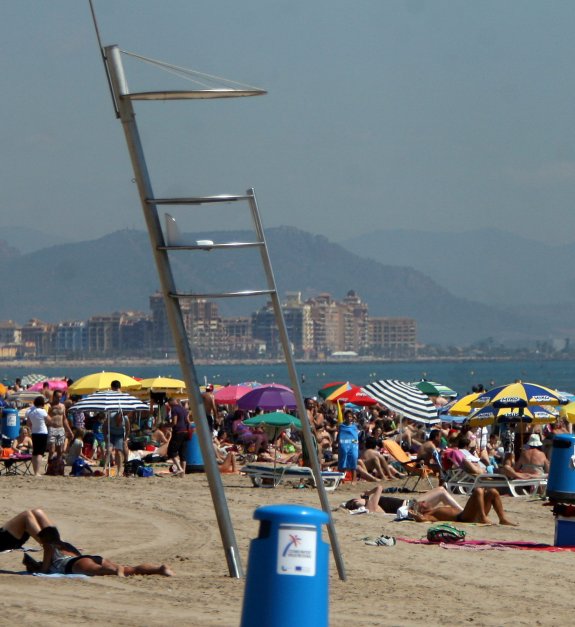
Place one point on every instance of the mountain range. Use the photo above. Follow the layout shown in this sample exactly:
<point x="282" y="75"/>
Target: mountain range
<point x="76" y="280"/>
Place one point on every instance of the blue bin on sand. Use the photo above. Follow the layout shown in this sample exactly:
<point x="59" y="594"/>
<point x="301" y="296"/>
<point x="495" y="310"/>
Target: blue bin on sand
<point x="193" y="453"/>
<point x="561" y="480"/>
<point x="10" y="423"/>
<point x="287" y="581"/>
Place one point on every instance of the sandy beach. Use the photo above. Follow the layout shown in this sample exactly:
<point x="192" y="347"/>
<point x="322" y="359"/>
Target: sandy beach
<point x="171" y="520"/>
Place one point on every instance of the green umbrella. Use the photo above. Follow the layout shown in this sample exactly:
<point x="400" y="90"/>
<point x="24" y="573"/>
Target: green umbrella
<point x="276" y="419"/>
<point x="434" y="389"/>
<point x="276" y="422"/>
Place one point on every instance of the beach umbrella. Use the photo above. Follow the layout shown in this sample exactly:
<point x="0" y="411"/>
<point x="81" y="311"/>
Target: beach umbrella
<point x="53" y="384"/>
<point x="431" y="388"/>
<point x="230" y="394"/>
<point x="490" y="415"/>
<point x="568" y="411"/>
<point x="329" y="388"/>
<point x="460" y="406"/>
<point x="102" y="381"/>
<point x="167" y="385"/>
<point x="109" y="401"/>
<point x="404" y="398"/>
<point x="274" y="423"/>
<point x="268" y="397"/>
<point x="277" y="419"/>
<point x="355" y="395"/>
<point x="519" y="395"/>
<point x="30" y="379"/>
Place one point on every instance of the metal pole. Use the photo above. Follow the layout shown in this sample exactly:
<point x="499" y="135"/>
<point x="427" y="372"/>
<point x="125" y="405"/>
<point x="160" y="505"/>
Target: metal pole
<point x="306" y="427"/>
<point x="173" y="311"/>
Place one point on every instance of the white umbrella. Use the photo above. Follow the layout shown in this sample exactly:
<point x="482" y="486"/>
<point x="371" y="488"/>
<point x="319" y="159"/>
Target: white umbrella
<point x="405" y="398"/>
<point x="109" y="401"/>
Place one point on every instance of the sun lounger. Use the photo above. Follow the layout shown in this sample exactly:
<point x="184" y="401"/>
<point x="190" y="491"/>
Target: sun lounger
<point x="264" y="475"/>
<point x="458" y="481"/>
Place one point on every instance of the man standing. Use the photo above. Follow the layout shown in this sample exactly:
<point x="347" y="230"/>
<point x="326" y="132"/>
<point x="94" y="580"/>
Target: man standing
<point x="210" y="405"/>
<point x="37" y="417"/>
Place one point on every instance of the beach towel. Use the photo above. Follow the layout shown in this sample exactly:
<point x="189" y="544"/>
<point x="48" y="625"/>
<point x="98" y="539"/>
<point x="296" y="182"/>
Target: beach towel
<point x="70" y="576"/>
<point x="348" y="447"/>
<point x="485" y="545"/>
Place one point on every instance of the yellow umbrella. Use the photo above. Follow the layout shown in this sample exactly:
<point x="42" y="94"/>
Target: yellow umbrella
<point x="3" y="389"/>
<point x="462" y="406"/>
<point x="102" y="381"/>
<point x="568" y="411"/>
<point x="163" y="384"/>
<point x="529" y="415"/>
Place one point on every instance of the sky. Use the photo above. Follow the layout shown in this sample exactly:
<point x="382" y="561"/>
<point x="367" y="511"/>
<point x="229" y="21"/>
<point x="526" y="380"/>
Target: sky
<point x="435" y="115"/>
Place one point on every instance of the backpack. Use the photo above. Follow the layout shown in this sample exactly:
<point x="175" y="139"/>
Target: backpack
<point x="445" y="532"/>
<point x="55" y="466"/>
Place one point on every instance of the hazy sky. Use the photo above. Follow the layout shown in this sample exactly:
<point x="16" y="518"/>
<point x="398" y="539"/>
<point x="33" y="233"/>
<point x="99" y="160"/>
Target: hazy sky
<point x="435" y="115"/>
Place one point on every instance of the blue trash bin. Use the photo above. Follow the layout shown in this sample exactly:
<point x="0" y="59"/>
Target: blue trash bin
<point x="561" y="480"/>
<point x="10" y="423"/>
<point x="193" y="453"/>
<point x="287" y="582"/>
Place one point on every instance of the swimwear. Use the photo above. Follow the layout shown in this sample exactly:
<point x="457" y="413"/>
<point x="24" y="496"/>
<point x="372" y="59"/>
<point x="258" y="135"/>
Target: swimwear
<point x="458" y="517"/>
<point x="39" y="443"/>
<point x="56" y="435"/>
<point x="8" y="542"/>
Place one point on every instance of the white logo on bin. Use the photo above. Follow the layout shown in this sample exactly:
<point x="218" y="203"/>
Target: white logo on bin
<point x="297" y="550"/>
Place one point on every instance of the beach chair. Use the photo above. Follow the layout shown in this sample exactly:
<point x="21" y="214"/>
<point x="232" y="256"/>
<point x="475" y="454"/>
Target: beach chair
<point x="263" y="475"/>
<point x="15" y="464"/>
<point x="413" y="468"/>
<point x="458" y="481"/>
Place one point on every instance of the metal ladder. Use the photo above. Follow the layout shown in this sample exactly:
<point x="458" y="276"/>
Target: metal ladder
<point x="161" y="246"/>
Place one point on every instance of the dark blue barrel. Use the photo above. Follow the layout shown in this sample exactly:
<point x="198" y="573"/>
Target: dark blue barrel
<point x="287" y="582"/>
<point x="193" y="454"/>
<point x="10" y="423"/>
<point x="561" y="481"/>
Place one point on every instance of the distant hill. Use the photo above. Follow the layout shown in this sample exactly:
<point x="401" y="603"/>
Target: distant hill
<point x="116" y="272"/>
<point x="484" y="265"/>
<point x="23" y="239"/>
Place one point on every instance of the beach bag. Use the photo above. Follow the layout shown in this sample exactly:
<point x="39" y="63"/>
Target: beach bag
<point x="445" y="532"/>
<point x="80" y="468"/>
<point x="145" y="471"/>
<point x="56" y="466"/>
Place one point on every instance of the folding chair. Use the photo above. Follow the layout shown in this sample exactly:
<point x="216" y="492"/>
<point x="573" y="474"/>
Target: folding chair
<point x="412" y="467"/>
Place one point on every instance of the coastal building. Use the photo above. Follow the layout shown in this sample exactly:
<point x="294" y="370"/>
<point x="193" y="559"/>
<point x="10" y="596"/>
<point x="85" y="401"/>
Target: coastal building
<point x="393" y="338"/>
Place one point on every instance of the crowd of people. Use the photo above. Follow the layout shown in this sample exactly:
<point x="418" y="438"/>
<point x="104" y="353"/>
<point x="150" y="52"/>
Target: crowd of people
<point x="56" y="435"/>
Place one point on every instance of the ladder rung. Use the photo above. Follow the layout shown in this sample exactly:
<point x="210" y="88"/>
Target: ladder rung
<point x="196" y="200"/>
<point x="208" y="296"/>
<point x="211" y="246"/>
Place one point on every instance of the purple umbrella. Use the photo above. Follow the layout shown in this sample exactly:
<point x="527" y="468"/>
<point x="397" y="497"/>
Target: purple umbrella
<point x="268" y="397"/>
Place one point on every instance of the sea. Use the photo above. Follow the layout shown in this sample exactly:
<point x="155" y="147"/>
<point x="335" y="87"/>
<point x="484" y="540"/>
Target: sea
<point x="461" y="376"/>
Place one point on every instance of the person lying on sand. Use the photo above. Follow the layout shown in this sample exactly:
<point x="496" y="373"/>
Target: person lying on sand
<point x="374" y="501"/>
<point x="16" y="532"/>
<point x="63" y="558"/>
<point x="476" y="510"/>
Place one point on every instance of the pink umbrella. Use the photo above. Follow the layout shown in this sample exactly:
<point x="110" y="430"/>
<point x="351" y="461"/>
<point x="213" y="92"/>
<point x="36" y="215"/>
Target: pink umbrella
<point x="53" y="384"/>
<point x="230" y="394"/>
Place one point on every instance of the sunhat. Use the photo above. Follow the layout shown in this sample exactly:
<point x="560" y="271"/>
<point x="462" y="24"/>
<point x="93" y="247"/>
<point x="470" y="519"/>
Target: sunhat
<point x="534" y="441"/>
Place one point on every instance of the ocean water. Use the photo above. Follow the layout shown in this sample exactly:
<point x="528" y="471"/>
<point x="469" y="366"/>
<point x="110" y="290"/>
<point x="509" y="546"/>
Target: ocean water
<point x="459" y="375"/>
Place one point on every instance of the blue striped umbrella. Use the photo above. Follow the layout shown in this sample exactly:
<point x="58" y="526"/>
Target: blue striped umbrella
<point x="405" y="398"/>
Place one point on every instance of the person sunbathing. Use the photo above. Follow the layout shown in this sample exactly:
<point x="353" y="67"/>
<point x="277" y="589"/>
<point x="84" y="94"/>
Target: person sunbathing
<point x="375" y="502"/>
<point x="375" y="462"/>
<point x="17" y="531"/>
<point x="508" y="469"/>
<point x="476" y="510"/>
<point x="63" y="558"/>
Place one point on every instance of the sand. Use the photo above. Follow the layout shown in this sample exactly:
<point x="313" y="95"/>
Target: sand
<point x="171" y="520"/>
